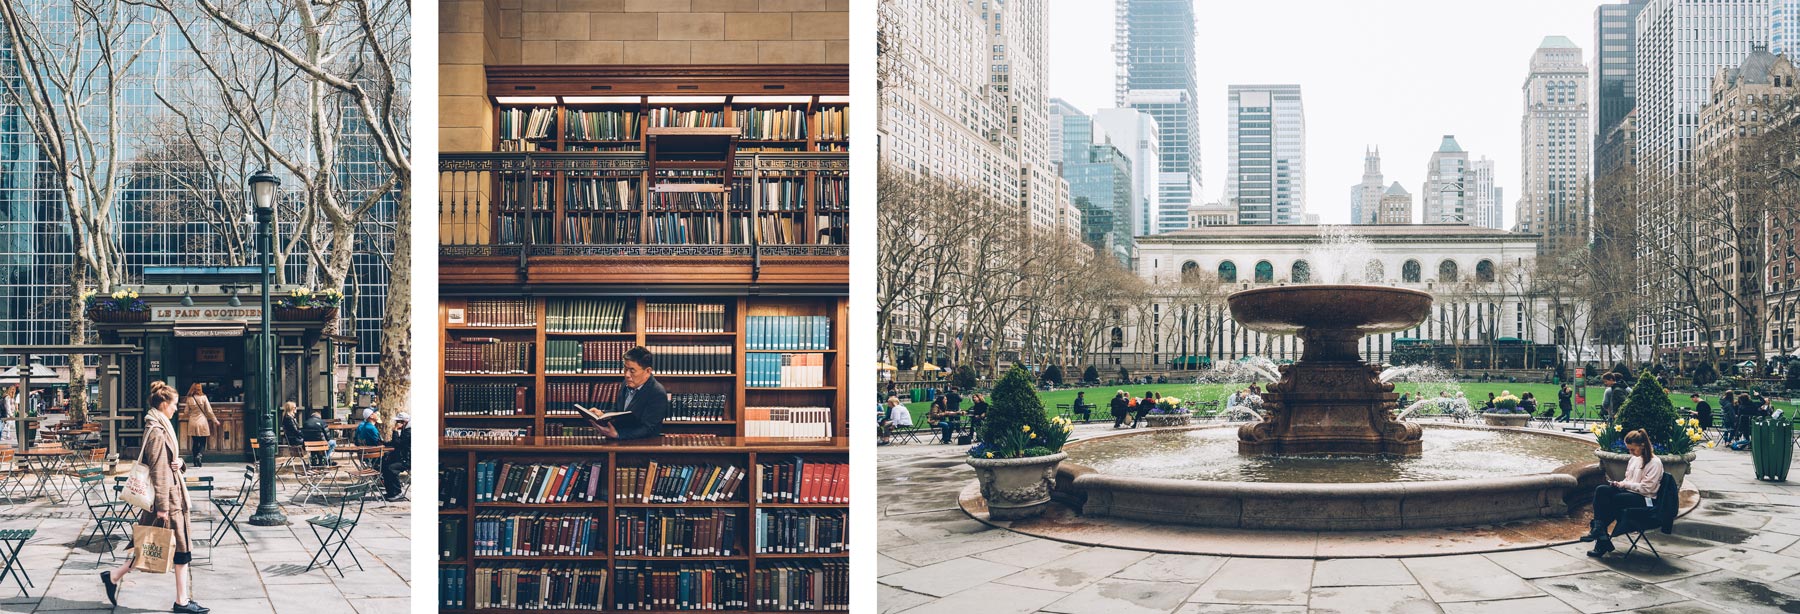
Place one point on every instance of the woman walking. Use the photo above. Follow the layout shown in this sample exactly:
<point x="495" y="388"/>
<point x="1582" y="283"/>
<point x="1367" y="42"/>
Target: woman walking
<point x="162" y="457"/>
<point x="200" y="420"/>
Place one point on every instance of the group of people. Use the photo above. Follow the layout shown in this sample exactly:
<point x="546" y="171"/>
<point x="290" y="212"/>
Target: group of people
<point x="944" y="416"/>
<point x="295" y="432"/>
<point x="1125" y="406"/>
<point x="1738" y="408"/>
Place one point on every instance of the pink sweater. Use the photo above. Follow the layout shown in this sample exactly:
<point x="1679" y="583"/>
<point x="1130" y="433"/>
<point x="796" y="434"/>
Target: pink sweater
<point x="1643" y="479"/>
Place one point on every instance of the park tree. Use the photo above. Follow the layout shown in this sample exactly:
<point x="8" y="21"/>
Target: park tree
<point x="1091" y="375"/>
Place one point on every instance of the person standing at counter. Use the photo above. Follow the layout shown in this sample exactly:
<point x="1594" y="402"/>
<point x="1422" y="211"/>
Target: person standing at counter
<point x="641" y="395"/>
<point x="200" y="420"/>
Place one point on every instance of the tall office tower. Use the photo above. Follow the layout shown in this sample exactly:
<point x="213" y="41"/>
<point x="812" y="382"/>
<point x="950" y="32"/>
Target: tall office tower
<point x="1485" y="195"/>
<point x="1135" y="133"/>
<point x="1445" y="194"/>
<point x="1365" y="197"/>
<point x="1101" y="186"/>
<point x="1681" y="45"/>
<point x="1070" y="130"/>
<point x="1784" y="28"/>
<point x="1615" y="53"/>
<point x="1154" y="51"/>
<point x="1554" y="147"/>
<point x="1267" y="150"/>
<point x="1019" y="82"/>
<point x="1396" y="206"/>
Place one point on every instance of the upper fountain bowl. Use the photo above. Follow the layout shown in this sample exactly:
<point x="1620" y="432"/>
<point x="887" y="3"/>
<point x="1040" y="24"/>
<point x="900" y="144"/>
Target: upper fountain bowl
<point x="1369" y="310"/>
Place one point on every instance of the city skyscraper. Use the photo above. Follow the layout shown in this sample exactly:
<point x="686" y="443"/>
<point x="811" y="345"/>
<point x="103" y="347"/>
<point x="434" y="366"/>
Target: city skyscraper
<point x="1396" y="206"/>
<point x="1485" y="195"/>
<point x="1135" y="133"/>
<point x="1154" y="51"/>
<point x="1365" y="197"/>
<point x="1615" y="54"/>
<point x="1445" y="194"/>
<point x="1681" y="45"/>
<point x="1784" y="28"/>
<point x="1266" y="147"/>
<point x="1554" y="145"/>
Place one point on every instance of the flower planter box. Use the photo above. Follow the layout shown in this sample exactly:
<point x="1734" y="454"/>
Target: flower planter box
<point x="1614" y="464"/>
<point x="309" y="314"/>
<point x="118" y="317"/>
<point x="1508" y="419"/>
<point x="1167" y="419"/>
<point x="1016" y="488"/>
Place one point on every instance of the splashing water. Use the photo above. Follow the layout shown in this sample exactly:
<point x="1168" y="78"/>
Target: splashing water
<point x="1436" y="389"/>
<point x="1226" y="378"/>
<point x="1342" y="257"/>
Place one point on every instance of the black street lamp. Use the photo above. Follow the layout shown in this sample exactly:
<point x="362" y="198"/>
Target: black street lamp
<point x="262" y="192"/>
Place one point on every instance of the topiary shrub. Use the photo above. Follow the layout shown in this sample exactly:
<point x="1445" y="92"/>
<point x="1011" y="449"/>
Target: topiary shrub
<point x="1124" y="374"/>
<point x="1623" y="370"/>
<point x="1091" y="375"/>
<point x="964" y="377"/>
<point x="1704" y="374"/>
<point x="1015" y="420"/>
<point x="1649" y="408"/>
<point x="1053" y="375"/>
<point x="1792" y="383"/>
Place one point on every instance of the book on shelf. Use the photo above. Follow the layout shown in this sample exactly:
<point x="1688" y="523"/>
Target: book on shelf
<point x="709" y="359"/>
<point x="595" y="357"/>
<point x="677" y="532"/>
<point x="758" y="124"/>
<point x="453" y="484"/>
<point x="452" y="587"/>
<point x="487" y="356"/>
<point x="797" y="370"/>
<point x="527" y="533"/>
<point x="561" y="397"/>
<point x="600" y="125"/>
<point x="802" y="585"/>
<point x="498" y="481"/>
<point x="647" y="585"/>
<point x="464" y="400"/>
<point x="560" y="586"/>
<point x="801" y="481"/>
<point x="666" y="117"/>
<point x="690" y="439"/>
<point x="676" y="483"/>
<point x="500" y="312"/>
<point x="569" y="435"/>
<point x="586" y="315"/>
<point x="684" y="318"/>
<point x="521" y="123"/>
<point x="450" y="540"/>
<point x="601" y="229"/>
<point x="787" y="332"/>
<point x="800" y="531"/>
<point x="788" y="422"/>
<point x="696" y="407"/>
<point x="834" y="123"/>
<point x="523" y="228"/>
<point x="487" y="437"/>
<point x="600" y="194"/>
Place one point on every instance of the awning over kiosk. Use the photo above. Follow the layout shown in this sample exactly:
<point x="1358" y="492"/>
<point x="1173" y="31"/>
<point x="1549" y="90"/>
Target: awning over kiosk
<point x="209" y="330"/>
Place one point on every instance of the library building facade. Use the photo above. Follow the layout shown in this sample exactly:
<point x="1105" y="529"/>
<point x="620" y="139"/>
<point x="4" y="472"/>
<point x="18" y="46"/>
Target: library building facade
<point x="620" y="230"/>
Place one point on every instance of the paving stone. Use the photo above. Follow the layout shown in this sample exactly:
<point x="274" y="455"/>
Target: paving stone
<point x="1736" y="593"/>
<point x="1259" y="581"/>
<point x="991" y="598"/>
<point x="1189" y="568"/>
<point x="1030" y="553"/>
<point x="1534" y="605"/>
<point x="1605" y="591"/>
<point x="1753" y="563"/>
<point x="1543" y="563"/>
<point x="949" y="577"/>
<point x="1361" y="572"/>
<point x="1072" y="572"/>
<point x="928" y="552"/>
<point x="1685" y="607"/>
<point x="1232" y="608"/>
<point x="1114" y="596"/>
<point x="1409" y="599"/>
<point x="891" y="599"/>
<point x="1651" y="569"/>
<point x="1467" y="578"/>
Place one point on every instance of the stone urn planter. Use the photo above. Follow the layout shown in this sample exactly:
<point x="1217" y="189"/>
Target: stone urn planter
<point x="118" y="317"/>
<point x="307" y="314"/>
<point x="1507" y="419"/>
<point x="1166" y="419"/>
<point x="1614" y="464"/>
<point x="1016" y="488"/>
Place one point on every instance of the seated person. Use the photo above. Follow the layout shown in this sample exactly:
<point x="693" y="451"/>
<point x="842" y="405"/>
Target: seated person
<point x="641" y="395"/>
<point x="290" y="424"/>
<point x="944" y="419"/>
<point x="1643" y="478"/>
<point x="897" y="418"/>
<point x="399" y="460"/>
<point x="1081" y="407"/>
<point x="977" y="411"/>
<point x="315" y="430"/>
<point x="368" y="433"/>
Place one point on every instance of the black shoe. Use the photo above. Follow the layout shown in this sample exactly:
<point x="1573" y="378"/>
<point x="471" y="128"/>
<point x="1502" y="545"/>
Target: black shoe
<point x="1601" y="548"/>
<point x="191" y="607"/>
<point x="112" y="589"/>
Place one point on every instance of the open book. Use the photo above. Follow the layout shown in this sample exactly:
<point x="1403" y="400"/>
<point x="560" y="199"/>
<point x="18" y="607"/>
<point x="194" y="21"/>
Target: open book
<point x="599" y="416"/>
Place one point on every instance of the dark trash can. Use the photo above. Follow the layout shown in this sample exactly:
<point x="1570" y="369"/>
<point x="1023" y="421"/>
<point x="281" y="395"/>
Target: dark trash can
<point x="1772" y="447"/>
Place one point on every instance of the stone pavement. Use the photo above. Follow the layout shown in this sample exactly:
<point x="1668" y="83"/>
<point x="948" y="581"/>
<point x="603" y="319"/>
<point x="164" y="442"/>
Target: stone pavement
<point x="1738" y="552"/>
<point x="266" y="576"/>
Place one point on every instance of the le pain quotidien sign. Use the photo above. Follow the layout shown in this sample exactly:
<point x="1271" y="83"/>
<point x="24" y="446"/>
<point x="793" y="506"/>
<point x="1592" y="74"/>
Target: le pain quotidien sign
<point x="221" y="313"/>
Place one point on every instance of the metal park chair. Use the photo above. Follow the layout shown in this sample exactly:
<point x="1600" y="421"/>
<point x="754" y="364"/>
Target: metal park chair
<point x="333" y="531"/>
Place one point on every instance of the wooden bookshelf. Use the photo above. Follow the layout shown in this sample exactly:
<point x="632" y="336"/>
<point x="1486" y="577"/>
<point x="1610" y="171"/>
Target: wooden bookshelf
<point x="568" y="217"/>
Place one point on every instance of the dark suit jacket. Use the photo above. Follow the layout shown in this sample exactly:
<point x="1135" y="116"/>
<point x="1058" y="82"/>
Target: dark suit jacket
<point x="647" y="409"/>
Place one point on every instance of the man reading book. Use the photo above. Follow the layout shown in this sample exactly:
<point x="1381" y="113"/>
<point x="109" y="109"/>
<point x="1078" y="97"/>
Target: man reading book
<point x="641" y="396"/>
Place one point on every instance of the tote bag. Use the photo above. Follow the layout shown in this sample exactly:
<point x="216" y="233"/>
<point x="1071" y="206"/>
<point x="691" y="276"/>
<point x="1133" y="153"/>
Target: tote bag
<point x="137" y="492"/>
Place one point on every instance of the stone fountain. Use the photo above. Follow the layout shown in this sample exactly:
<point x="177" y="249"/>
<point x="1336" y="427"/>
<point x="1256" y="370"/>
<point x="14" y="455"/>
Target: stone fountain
<point x="1330" y="402"/>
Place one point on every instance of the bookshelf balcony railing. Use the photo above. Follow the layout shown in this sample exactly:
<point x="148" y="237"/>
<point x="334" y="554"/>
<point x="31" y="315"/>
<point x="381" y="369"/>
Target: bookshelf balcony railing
<point x="522" y="204"/>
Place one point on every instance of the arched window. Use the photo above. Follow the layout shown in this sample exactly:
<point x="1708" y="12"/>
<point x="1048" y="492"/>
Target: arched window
<point x="1409" y="272"/>
<point x="1228" y="272"/>
<point x="1118" y="338"/>
<point x="1189" y="270"/>
<point x="1484" y="271"/>
<point x="1447" y="271"/>
<point x="1374" y="272"/>
<point x="1302" y="272"/>
<point x="1265" y="272"/>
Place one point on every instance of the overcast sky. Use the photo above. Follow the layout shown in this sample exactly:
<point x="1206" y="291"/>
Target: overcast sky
<point x="1398" y="74"/>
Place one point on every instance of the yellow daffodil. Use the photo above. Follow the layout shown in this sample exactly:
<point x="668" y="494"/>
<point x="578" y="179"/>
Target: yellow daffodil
<point x="1695" y="437"/>
<point x="1025" y="428"/>
<point x="990" y="455"/>
<point x="1068" y="429"/>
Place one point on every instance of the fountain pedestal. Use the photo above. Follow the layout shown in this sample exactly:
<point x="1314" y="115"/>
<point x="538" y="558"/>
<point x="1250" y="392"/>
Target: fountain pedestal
<point x="1330" y="402"/>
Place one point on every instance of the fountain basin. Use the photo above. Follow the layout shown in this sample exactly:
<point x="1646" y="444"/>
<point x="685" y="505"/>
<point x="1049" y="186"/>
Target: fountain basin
<point x="1364" y="310"/>
<point x="1378" y="503"/>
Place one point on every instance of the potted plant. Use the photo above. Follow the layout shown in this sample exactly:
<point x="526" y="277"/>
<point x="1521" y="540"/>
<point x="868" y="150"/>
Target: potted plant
<point x="1168" y="412"/>
<point x="121" y="306"/>
<point x="1506" y="411"/>
<point x="1019" y="450"/>
<point x="365" y="391"/>
<point x="1672" y="437"/>
<point x="303" y="304"/>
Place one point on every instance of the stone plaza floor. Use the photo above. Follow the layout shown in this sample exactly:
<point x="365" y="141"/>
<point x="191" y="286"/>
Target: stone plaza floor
<point x="265" y="575"/>
<point x="1739" y="551"/>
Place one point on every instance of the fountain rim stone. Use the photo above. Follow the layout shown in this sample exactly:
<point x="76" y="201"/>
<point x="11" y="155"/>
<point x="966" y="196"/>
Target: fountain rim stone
<point x="1401" y="308"/>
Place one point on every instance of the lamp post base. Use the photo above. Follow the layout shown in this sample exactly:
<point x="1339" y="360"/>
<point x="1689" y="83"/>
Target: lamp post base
<point x="268" y="517"/>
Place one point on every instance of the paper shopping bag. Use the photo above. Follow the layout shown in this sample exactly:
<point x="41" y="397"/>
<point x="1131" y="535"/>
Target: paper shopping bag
<point x="155" y="547"/>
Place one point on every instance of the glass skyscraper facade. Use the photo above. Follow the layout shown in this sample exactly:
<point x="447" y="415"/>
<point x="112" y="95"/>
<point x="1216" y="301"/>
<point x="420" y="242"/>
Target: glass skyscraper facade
<point x="1267" y="145"/>
<point x="1154" y="50"/>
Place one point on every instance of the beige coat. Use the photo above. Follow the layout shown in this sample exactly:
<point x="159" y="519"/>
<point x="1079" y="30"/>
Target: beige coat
<point x="198" y="416"/>
<point x="166" y="482"/>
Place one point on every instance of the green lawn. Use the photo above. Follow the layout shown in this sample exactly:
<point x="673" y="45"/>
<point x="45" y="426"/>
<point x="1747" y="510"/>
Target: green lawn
<point x="1477" y="394"/>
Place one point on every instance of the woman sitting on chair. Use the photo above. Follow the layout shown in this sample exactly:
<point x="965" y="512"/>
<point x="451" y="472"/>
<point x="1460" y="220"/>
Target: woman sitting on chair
<point x="1643" y="477"/>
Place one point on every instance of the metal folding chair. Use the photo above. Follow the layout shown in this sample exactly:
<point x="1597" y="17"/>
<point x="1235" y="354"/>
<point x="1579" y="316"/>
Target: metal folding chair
<point x="12" y="543"/>
<point x="908" y="435"/>
<point x="333" y="531"/>
<point x="203" y="485"/>
<point x="315" y="477"/>
<point x="12" y="476"/>
<point x="231" y="507"/>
